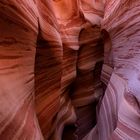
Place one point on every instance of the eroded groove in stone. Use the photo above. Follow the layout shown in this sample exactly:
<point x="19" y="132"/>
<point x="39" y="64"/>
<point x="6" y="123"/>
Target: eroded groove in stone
<point x="55" y="56"/>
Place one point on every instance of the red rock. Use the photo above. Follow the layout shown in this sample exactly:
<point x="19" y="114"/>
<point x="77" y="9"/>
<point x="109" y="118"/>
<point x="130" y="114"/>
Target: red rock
<point x="69" y="69"/>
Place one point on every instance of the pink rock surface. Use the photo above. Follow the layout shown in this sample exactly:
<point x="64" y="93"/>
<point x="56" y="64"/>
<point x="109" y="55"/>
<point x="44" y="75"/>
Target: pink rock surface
<point x="51" y="72"/>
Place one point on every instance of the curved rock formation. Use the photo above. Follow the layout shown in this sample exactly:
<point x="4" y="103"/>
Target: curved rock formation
<point x="119" y="111"/>
<point x="64" y="62"/>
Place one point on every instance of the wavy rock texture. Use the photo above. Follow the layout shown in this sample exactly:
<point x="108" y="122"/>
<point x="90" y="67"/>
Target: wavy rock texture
<point x="64" y="62"/>
<point x="120" y="108"/>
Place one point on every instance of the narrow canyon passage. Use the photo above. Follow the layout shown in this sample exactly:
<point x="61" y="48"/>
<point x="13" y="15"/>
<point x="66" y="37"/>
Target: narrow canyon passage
<point x="69" y="69"/>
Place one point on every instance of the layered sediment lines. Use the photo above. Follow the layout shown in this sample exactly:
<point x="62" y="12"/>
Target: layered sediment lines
<point x="57" y="60"/>
<point x="119" y="110"/>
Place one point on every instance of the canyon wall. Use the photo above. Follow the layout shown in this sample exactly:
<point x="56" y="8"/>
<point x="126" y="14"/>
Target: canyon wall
<point x="69" y="69"/>
<point x="119" y="110"/>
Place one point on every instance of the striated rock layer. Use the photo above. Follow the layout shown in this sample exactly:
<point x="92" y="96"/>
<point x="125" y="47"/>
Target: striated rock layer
<point x="66" y="65"/>
<point x="119" y="111"/>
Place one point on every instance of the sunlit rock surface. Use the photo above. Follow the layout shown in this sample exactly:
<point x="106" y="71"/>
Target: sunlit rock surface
<point x="119" y="111"/>
<point x="69" y="69"/>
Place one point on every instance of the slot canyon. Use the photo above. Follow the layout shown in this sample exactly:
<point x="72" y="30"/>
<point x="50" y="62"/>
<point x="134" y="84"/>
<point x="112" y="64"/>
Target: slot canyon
<point x="69" y="69"/>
